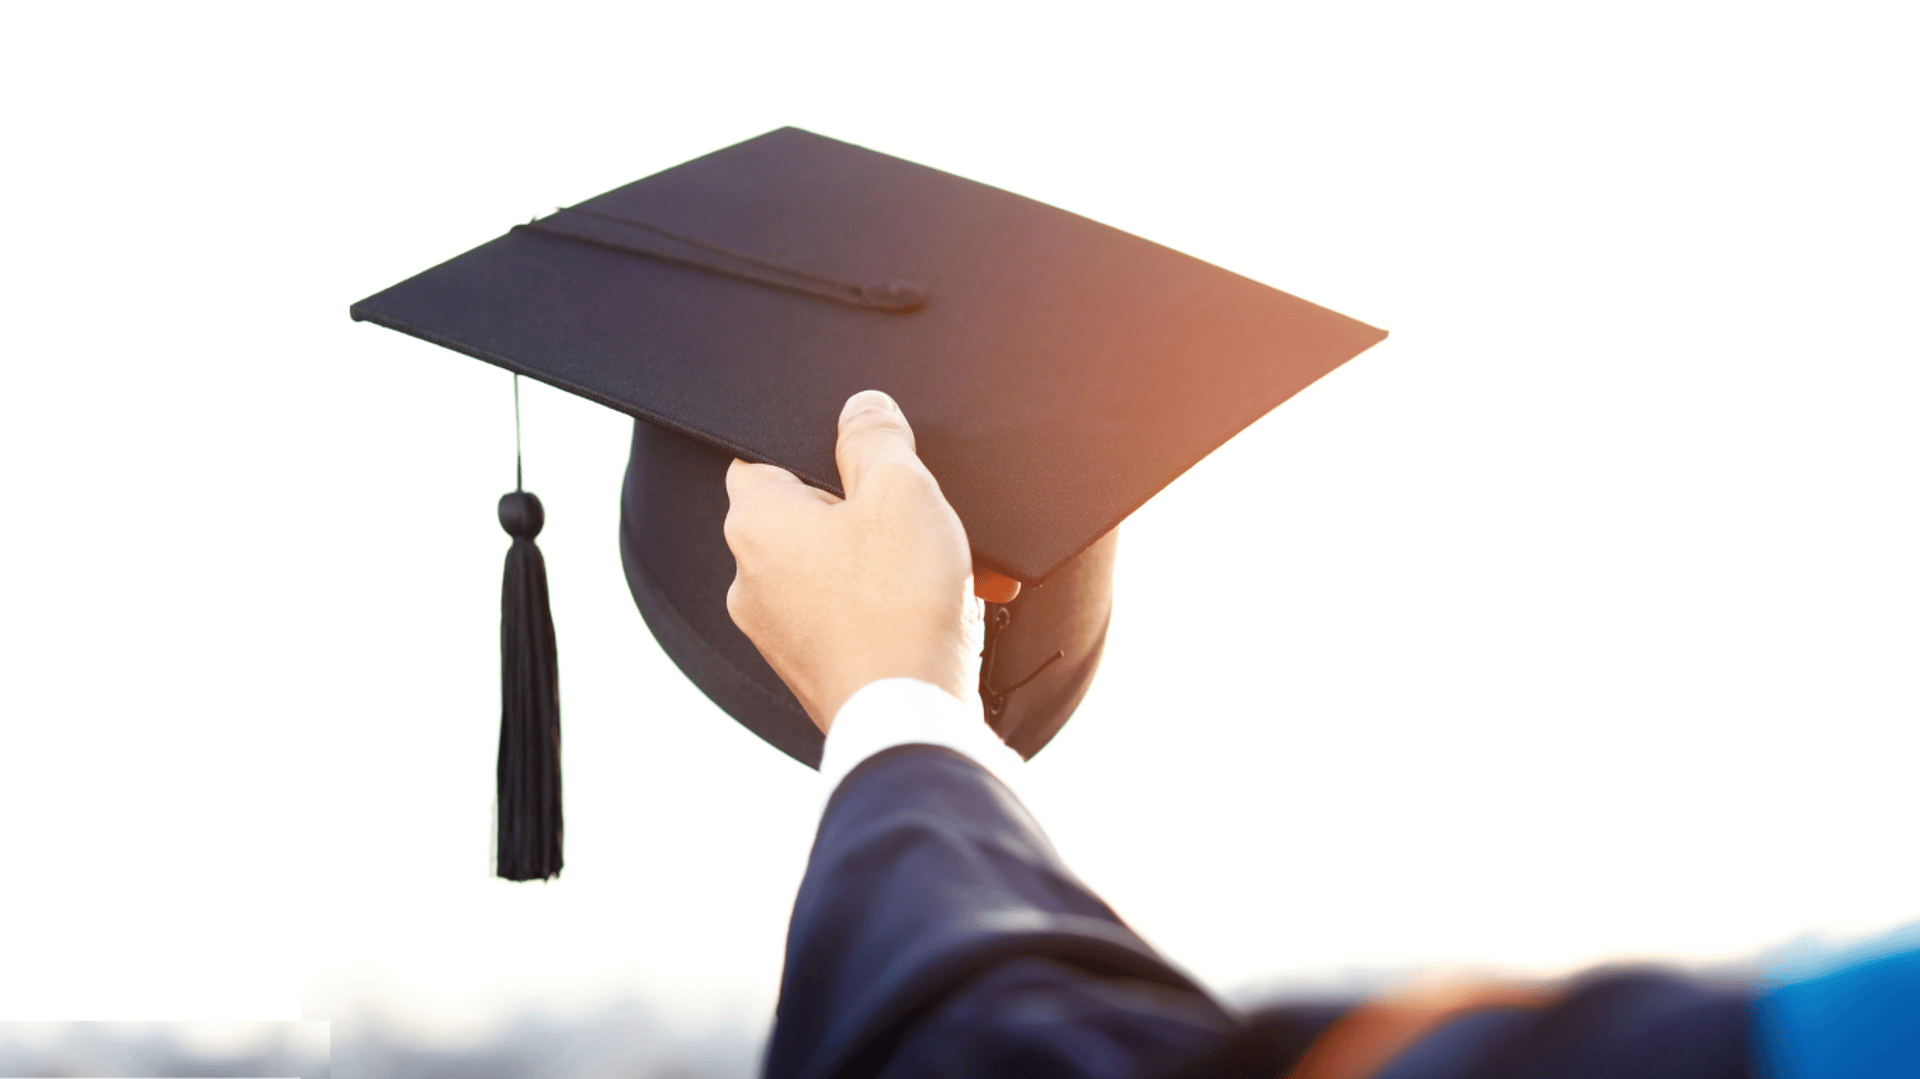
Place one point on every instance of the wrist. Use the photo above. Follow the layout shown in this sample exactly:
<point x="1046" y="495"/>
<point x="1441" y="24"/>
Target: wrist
<point x="906" y="711"/>
<point x="948" y="666"/>
<point x="957" y="688"/>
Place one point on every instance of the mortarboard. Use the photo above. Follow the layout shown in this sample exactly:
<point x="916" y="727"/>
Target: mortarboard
<point x="1057" y="374"/>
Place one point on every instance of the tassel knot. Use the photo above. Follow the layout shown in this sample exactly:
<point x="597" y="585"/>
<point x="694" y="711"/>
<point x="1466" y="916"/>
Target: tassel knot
<point x="521" y="514"/>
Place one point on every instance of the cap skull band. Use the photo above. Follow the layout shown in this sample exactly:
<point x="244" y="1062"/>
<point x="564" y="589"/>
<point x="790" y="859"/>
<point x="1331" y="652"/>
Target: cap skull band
<point x="1057" y="373"/>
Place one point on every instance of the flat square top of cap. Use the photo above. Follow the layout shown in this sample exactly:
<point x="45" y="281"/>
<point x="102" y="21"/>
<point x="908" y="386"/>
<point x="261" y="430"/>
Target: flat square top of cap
<point x="1057" y="374"/>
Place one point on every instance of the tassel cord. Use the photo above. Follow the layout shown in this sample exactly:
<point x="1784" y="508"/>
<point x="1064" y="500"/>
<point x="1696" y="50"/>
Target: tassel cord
<point x="529" y="826"/>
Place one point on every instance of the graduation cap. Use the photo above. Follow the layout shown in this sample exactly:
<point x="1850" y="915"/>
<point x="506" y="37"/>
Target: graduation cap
<point x="1057" y="374"/>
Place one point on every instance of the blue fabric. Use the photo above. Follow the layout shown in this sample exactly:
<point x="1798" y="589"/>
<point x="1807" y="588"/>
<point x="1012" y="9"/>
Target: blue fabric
<point x="1859" y="1021"/>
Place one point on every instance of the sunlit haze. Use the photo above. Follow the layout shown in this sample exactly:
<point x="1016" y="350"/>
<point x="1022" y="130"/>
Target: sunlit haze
<point x="1574" y="622"/>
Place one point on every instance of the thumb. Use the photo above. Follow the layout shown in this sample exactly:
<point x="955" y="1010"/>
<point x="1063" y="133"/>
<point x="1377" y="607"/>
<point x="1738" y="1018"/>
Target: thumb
<point x="873" y="433"/>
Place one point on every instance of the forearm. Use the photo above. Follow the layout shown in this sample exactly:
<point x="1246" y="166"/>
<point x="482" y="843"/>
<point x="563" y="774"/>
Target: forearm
<point x="927" y="875"/>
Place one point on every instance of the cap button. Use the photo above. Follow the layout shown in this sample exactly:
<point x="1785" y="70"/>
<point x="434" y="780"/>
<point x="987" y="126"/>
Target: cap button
<point x="895" y="295"/>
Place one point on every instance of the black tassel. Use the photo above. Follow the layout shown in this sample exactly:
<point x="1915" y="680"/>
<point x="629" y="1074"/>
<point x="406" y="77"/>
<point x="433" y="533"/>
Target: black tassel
<point x="527" y="837"/>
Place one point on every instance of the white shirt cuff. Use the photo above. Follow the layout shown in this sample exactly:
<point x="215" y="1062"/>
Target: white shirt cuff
<point x="906" y="711"/>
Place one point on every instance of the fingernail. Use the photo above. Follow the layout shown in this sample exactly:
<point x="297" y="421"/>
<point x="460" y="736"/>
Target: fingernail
<point x="868" y="399"/>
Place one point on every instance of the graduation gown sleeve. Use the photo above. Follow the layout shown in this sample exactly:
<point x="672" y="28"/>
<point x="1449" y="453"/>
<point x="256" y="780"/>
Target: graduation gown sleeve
<point x="937" y="933"/>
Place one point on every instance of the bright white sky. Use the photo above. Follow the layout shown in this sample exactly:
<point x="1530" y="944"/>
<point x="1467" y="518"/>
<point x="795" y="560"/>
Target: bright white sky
<point x="1574" y="622"/>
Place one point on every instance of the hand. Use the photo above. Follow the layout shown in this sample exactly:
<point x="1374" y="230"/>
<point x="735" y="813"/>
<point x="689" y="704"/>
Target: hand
<point x="839" y="593"/>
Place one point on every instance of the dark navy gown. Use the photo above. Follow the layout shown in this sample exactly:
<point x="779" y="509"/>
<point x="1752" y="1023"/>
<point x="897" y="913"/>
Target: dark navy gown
<point x="937" y="934"/>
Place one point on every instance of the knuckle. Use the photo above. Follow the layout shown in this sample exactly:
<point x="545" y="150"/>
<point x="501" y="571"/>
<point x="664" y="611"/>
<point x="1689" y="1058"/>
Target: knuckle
<point x="743" y="529"/>
<point x="904" y="478"/>
<point x="737" y="602"/>
<point x="879" y="422"/>
<point x="736" y="477"/>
